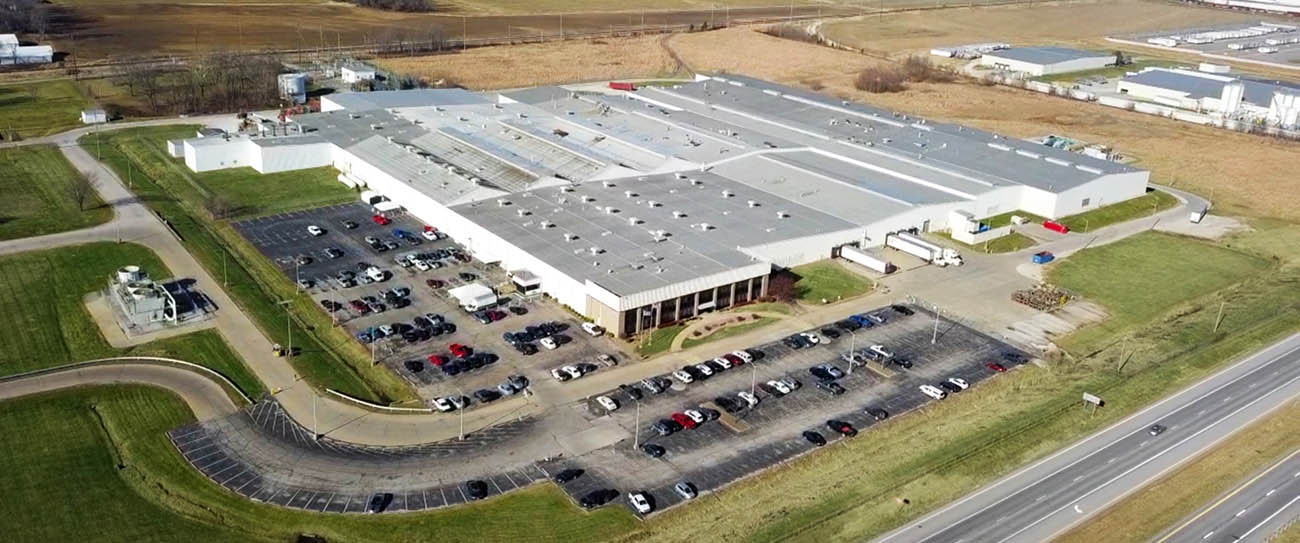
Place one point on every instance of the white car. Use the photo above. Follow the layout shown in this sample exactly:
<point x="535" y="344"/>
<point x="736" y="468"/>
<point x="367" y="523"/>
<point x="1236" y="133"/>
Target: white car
<point x="961" y="383"/>
<point x="573" y="371"/>
<point x="608" y="403"/>
<point x="881" y="351"/>
<point x="560" y="375"/>
<point x="791" y="383"/>
<point x="779" y="386"/>
<point x="592" y="328"/>
<point x="695" y="415"/>
<point x="375" y="274"/>
<point x="726" y="364"/>
<point x="431" y="235"/>
<point x="315" y="230"/>
<point x="933" y="392"/>
<point x="749" y="398"/>
<point x="459" y="402"/>
<point x="386" y="329"/>
<point x="639" y="502"/>
<point x="683" y="377"/>
<point x="705" y="369"/>
<point x="743" y="356"/>
<point x="443" y="404"/>
<point x="812" y="338"/>
<point x="421" y="265"/>
<point x="549" y="343"/>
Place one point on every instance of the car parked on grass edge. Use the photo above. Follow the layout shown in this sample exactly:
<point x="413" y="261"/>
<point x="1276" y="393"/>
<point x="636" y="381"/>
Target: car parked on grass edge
<point x="933" y="392"/>
<point x="639" y="502"/>
<point x="814" y="438"/>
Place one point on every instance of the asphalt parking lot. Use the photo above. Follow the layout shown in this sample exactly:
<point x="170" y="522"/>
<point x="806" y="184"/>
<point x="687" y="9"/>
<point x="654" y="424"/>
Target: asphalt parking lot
<point x="715" y="453"/>
<point x="285" y="240"/>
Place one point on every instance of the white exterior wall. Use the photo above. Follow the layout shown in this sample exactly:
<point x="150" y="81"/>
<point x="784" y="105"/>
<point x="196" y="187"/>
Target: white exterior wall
<point x="1106" y="190"/>
<point x="326" y="104"/>
<point x="1147" y="92"/>
<point x="1090" y="63"/>
<point x="351" y="75"/>
<point x="281" y="158"/>
<point x="793" y="252"/>
<point x="235" y="153"/>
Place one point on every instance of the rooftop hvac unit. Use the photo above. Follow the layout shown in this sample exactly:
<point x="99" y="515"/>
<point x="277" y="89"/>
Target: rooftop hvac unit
<point x="633" y="221"/>
<point x="522" y="212"/>
<point x="570" y="237"/>
<point x="502" y="202"/>
<point x="727" y="194"/>
<point x="652" y="203"/>
<point x="695" y="181"/>
<point x="586" y="198"/>
<point x="680" y="175"/>
<point x="566" y="188"/>
<point x="678" y="214"/>
<point x="595" y="250"/>
<point x="704" y="226"/>
<point x="628" y="194"/>
<point x="782" y="214"/>
<point x="608" y="184"/>
<point x="545" y="224"/>
<point x="751" y="203"/>
<point x="610" y="210"/>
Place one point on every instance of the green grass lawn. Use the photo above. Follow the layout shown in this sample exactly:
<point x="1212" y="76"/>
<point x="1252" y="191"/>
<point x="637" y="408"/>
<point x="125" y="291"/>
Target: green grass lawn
<point x="1150" y="203"/>
<point x="40" y="108"/>
<point x="827" y="281"/>
<point x="255" y="194"/>
<point x="733" y="330"/>
<point x="46" y="322"/>
<point x="1109" y="72"/>
<point x="66" y="474"/>
<point x="330" y="358"/>
<point x="35" y="181"/>
<point x="998" y="221"/>
<point x="1140" y="278"/>
<point x="660" y="340"/>
<point x="1012" y="242"/>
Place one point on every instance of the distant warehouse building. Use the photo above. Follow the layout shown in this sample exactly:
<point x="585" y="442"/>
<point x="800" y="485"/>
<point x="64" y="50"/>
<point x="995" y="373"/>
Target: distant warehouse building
<point x="11" y="52"/>
<point x="1039" y="61"/>
<point x="645" y="208"/>
<point x="1276" y="102"/>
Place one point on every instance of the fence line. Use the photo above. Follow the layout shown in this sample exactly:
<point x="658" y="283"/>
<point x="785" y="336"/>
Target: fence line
<point x="110" y="361"/>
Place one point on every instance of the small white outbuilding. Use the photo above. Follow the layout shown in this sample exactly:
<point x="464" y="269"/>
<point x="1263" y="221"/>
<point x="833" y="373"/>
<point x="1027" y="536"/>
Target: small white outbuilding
<point x="351" y="73"/>
<point x="94" y="116"/>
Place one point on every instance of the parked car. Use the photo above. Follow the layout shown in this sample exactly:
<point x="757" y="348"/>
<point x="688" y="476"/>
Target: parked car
<point x="950" y="387"/>
<point x="639" y="502"/>
<point x="845" y="429"/>
<point x="608" y="403"/>
<point x="378" y="502"/>
<point x="933" y="392"/>
<point x="779" y="387"/>
<point x="876" y="318"/>
<point x="685" y="490"/>
<point x="315" y="230"/>
<point x="812" y="338"/>
<point x="548" y="343"/>
<point x="459" y="351"/>
<point x="592" y="329"/>
<point x="486" y="395"/>
<point x="443" y="404"/>
<point x="567" y="475"/>
<point x="380" y="220"/>
<point x="996" y="367"/>
<point x="683" y="376"/>
<point x="349" y="225"/>
<point x="791" y="383"/>
<point x="526" y="349"/>
<point x="597" y="498"/>
<point x="695" y="415"/>
<point x="830" y="387"/>
<point x="961" y="383"/>
<point x="876" y="413"/>
<point x="902" y="309"/>
<point x="476" y="490"/>
<point x="830" y="332"/>
<point x="685" y="421"/>
<point x="814" y="438"/>
<point x="560" y="375"/>
<point x="652" y="450"/>
<point x="748" y="398"/>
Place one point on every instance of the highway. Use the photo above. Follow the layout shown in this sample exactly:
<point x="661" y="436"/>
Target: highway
<point x="1251" y="512"/>
<point x="1048" y="497"/>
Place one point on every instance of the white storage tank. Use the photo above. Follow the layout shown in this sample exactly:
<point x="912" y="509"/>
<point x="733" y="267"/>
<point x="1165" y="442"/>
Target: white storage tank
<point x="293" y="87"/>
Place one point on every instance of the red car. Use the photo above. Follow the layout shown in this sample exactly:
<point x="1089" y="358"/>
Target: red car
<point x="496" y="315"/>
<point x="380" y="220"/>
<point x="735" y="360"/>
<point x="437" y="360"/>
<point x="359" y="307"/>
<point x="685" y="421"/>
<point x="435" y="283"/>
<point x="996" y="367"/>
<point x="460" y="351"/>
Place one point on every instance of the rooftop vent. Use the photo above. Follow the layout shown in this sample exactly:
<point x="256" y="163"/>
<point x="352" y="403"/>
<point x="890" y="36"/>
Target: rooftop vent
<point x="652" y="203"/>
<point x="751" y="203"/>
<point x="608" y="184"/>
<point x="502" y="202"/>
<point x="522" y="212"/>
<point x="680" y="175"/>
<point x="586" y="198"/>
<point x="782" y="214"/>
<point x="610" y="210"/>
<point x="545" y="224"/>
<point x="566" y="188"/>
<point x="629" y="194"/>
<point x="727" y="194"/>
<point x="633" y="221"/>
<point x="595" y="250"/>
<point x="678" y="214"/>
<point x="570" y="237"/>
<point x="704" y="226"/>
<point x="695" y="181"/>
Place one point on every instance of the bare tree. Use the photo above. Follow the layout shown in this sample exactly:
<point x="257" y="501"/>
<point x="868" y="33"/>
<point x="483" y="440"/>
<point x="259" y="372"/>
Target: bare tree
<point x="80" y="189"/>
<point x="217" y="206"/>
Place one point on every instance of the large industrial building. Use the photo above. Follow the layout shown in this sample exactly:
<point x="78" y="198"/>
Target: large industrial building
<point x="1040" y="61"/>
<point x="643" y="208"/>
<point x="1274" y="102"/>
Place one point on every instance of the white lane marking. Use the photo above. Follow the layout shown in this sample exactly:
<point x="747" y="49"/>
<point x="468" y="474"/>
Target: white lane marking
<point x="1270" y="517"/>
<point x="1270" y="493"/>
<point x="1077" y="510"/>
<point x="1144" y="443"/>
<point x="1157" y="455"/>
<point x="1186" y="403"/>
<point x="1079" y="478"/>
<point x="1227" y="399"/>
<point x="1202" y="412"/>
<point x="1240" y="513"/>
<point x="1041" y="498"/>
<point x="1207" y="536"/>
<point x="1112" y="460"/>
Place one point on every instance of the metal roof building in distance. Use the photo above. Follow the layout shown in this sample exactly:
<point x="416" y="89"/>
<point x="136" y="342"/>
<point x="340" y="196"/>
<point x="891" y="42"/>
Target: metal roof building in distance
<point x="1046" y="60"/>
<point x="1199" y="85"/>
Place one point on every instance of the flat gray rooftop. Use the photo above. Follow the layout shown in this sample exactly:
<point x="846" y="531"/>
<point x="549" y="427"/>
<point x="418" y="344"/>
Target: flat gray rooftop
<point x="1045" y="55"/>
<point x="359" y="101"/>
<point x="1257" y="92"/>
<point x="630" y="259"/>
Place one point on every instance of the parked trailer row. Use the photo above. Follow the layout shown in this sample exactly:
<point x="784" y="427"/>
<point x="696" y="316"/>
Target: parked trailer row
<point x="920" y="248"/>
<point x="854" y="254"/>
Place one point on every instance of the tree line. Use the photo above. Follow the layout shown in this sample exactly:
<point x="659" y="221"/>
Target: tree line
<point x="226" y="81"/>
<point x="18" y="16"/>
<point x="396" y="5"/>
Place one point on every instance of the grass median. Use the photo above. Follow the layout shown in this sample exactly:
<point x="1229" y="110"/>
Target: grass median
<point x="827" y="281"/>
<point x="47" y="323"/>
<point x="1163" y="505"/>
<point x="329" y="357"/>
<point x="40" y="191"/>
<point x="99" y="457"/>
<point x="1154" y="201"/>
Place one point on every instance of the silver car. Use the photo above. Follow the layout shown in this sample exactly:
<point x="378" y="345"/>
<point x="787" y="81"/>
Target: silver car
<point x="685" y="490"/>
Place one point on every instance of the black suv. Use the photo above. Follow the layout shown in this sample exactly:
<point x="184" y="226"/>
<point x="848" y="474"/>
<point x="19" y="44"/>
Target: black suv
<point x="476" y="490"/>
<point x="597" y="498"/>
<point x="902" y="309"/>
<point x="831" y="387"/>
<point x="814" y="438"/>
<point x="568" y="475"/>
<point x="877" y="413"/>
<point x="652" y="450"/>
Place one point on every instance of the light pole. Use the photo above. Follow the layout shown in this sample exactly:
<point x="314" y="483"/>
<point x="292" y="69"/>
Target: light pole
<point x="753" y="378"/>
<point x="853" y="347"/>
<point x="288" y="328"/>
<point x="462" y="412"/>
<point x="935" y="337"/>
<point x="315" y="433"/>
<point x="636" y="426"/>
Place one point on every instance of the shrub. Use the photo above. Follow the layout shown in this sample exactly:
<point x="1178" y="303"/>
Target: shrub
<point x="879" y="79"/>
<point x="920" y="69"/>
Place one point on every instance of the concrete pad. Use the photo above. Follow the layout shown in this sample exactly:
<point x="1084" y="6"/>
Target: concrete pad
<point x="603" y="433"/>
<point x="1210" y="227"/>
<point x="102" y="314"/>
